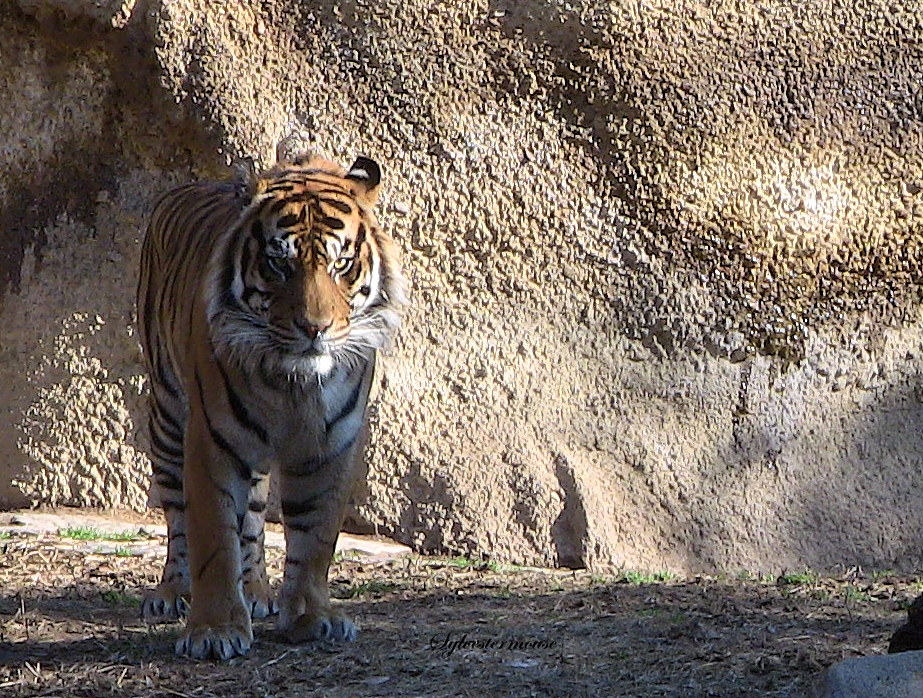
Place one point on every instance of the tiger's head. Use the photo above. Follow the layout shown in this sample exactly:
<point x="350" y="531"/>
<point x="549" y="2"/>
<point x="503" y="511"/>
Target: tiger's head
<point x="309" y="279"/>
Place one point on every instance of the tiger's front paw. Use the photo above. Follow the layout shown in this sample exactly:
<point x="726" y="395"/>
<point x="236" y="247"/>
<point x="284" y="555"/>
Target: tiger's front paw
<point x="320" y="626"/>
<point x="165" y="603"/>
<point x="219" y="642"/>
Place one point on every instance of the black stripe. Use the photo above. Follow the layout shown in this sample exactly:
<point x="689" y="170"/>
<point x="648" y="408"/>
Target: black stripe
<point x="333" y="223"/>
<point x="162" y="377"/>
<point x="245" y="256"/>
<point x="302" y="527"/>
<point x="312" y="465"/>
<point x="322" y="192"/>
<point x="350" y="404"/>
<point x="306" y="467"/>
<point x="296" y="509"/>
<point x="287" y="221"/>
<point x="241" y="413"/>
<point x="161" y="448"/>
<point x="166" y="419"/>
<point x="257" y="507"/>
<point x="167" y="480"/>
<point x="278" y="205"/>
<point x="345" y="446"/>
<point x="244" y="471"/>
<point x="207" y="562"/>
<point x="340" y="206"/>
<point x="227" y="274"/>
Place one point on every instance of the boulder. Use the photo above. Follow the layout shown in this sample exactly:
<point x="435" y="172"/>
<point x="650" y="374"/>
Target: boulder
<point x="885" y="676"/>
<point x="665" y="260"/>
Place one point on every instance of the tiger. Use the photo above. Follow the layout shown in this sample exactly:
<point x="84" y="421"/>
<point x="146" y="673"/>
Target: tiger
<point x="263" y="300"/>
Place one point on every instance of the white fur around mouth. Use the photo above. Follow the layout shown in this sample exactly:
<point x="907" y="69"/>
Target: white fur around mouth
<point x="309" y="364"/>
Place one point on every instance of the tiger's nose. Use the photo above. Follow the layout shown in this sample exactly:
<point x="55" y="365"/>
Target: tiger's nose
<point x="312" y="328"/>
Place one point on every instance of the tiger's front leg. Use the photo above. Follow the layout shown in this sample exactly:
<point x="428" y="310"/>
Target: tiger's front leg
<point x="216" y="498"/>
<point x="313" y="504"/>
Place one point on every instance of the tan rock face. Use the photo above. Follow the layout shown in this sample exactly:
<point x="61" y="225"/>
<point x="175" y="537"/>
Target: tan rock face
<point x="664" y="258"/>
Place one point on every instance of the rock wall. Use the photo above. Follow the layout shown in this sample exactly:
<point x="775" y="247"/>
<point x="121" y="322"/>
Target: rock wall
<point x="665" y="259"/>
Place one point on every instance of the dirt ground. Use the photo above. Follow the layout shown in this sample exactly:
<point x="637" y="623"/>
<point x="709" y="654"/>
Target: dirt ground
<point x="69" y="627"/>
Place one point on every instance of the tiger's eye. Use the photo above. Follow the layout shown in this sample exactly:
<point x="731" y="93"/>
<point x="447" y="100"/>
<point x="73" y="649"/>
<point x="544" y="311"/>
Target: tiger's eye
<point x="342" y="264"/>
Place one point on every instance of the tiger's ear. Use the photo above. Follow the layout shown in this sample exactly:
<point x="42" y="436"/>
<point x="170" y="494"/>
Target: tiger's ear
<point x="246" y="182"/>
<point x="367" y="176"/>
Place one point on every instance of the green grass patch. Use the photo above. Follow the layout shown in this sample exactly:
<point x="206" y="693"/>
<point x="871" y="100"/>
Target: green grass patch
<point x="90" y="533"/>
<point x="797" y="578"/>
<point x="854" y="595"/>
<point x="495" y="566"/>
<point x="6" y="535"/>
<point x="636" y="577"/>
<point x="462" y="562"/>
<point x="80" y="533"/>
<point x="119" y="598"/>
<point x="348" y="556"/>
<point x="372" y="588"/>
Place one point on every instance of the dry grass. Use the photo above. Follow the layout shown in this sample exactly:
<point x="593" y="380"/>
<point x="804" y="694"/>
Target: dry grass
<point x="69" y="628"/>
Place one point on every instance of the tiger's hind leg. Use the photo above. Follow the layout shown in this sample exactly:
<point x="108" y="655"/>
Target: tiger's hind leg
<point x="168" y="600"/>
<point x="253" y="558"/>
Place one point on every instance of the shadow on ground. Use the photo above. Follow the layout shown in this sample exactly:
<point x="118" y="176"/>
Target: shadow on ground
<point x="449" y="628"/>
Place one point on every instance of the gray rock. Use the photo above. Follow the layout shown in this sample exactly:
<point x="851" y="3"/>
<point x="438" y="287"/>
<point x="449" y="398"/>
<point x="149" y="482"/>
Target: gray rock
<point x="884" y="676"/>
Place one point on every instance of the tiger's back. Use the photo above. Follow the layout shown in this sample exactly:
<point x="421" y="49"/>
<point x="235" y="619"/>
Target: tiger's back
<point x="262" y="302"/>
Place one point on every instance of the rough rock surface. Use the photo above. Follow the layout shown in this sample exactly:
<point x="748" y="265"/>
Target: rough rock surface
<point x="665" y="259"/>
<point x="888" y="676"/>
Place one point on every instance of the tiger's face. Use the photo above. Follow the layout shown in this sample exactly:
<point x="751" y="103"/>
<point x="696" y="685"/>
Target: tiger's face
<point x="316" y="280"/>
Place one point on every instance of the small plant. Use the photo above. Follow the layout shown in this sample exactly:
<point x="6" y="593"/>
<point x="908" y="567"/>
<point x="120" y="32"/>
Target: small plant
<point x="90" y="533"/>
<point x="878" y="575"/>
<point x="854" y="594"/>
<point x="797" y="578"/>
<point x="119" y="598"/>
<point x="6" y="535"/>
<point x="127" y="536"/>
<point x="495" y="566"/>
<point x="636" y="577"/>
<point x="122" y="551"/>
<point x="372" y="587"/>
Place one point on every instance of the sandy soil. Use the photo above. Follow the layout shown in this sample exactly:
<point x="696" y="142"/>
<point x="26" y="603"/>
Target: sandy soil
<point x="69" y="627"/>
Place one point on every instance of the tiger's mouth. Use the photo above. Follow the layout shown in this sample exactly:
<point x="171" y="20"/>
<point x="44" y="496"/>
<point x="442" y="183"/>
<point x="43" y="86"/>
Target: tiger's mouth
<point x="314" y="347"/>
